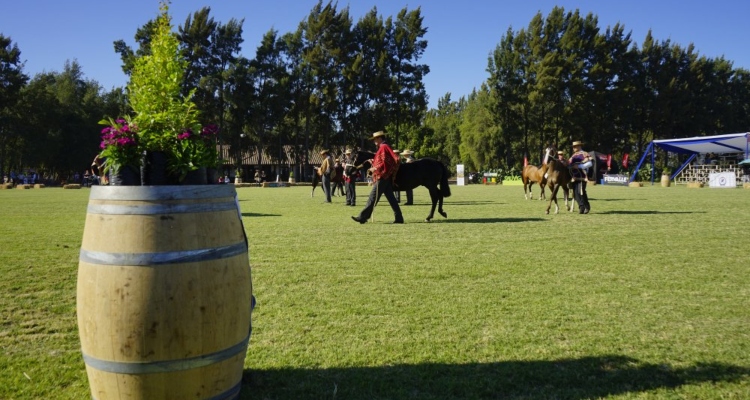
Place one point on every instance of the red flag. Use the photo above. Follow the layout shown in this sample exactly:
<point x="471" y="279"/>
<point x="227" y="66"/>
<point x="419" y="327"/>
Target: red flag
<point x="625" y="160"/>
<point x="525" y="161"/>
<point x="609" y="162"/>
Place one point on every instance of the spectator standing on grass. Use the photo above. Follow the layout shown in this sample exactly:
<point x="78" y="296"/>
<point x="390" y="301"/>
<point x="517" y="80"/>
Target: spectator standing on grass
<point x="326" y="172"/>
<point x="384" y="167"/>
<point x="351" y="175"/>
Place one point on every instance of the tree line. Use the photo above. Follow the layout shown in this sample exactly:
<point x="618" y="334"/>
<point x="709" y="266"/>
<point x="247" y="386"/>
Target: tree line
<point x="563" y="79"/>
<point x="333" y="81"/>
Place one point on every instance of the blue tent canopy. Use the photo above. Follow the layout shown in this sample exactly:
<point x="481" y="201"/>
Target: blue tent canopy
<point x="730" y="143"/>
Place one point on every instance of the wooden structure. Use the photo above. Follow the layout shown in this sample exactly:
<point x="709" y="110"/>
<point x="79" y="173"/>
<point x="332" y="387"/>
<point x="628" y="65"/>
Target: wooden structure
<point x="164" y="292"/>
<point x="700" y="172"/>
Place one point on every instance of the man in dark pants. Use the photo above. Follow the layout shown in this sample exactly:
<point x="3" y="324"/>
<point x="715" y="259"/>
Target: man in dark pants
<point x="351" y="174"/>
<point x="384" y="166"/>
<point x="580" y="162"/>
<point x="326" y="172"/>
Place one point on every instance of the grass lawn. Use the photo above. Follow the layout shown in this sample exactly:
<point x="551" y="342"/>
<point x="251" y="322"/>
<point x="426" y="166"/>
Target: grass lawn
<point x="647" y="297"/>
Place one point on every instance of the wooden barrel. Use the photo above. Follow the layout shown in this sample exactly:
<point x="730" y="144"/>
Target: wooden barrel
<point x="665" y="181"/>
<point x="164" y="292"/>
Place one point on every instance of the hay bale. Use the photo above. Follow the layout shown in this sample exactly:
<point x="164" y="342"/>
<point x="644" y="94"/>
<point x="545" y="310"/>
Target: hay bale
<point x="746" y="185"/>
<point x="635" y="184"/>
<point x="6" y="186"/>
<point x="695" y="185"/>
<point x="72" y="186"/>
<point x="22" y="186"/>
<point x="38" y="186"/>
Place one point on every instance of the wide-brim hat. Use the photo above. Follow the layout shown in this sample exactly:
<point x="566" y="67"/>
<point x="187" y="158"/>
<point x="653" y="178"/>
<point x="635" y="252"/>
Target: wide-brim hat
<point x="324" y="151"/>
<point x="560" y="152"/>
<point x="377" y="135"/>
<point x="348" y="151"/>
<point x="577" y="143"/>
<point x="407" y="153"/>
<point x="397" y="151"/>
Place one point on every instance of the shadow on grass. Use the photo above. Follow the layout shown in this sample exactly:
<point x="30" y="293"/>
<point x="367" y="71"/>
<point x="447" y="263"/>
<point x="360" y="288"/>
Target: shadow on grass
<point x="595" y="199"/>
<point x="582" y="378"/>
<point x="260" y="215"/>
<point x="465" y="203"/>
<point x="487" y="220"/>
<point x="643" y="212"/>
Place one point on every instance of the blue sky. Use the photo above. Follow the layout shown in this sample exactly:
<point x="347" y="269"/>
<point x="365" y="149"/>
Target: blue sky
<point x="461" y="33"/>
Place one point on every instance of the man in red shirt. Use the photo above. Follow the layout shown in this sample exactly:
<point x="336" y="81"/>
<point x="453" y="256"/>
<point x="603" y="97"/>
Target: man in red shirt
<point x="384" y="167"/>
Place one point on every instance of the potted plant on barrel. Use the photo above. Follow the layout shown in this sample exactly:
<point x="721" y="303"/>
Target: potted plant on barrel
<point x="164" y="137"/>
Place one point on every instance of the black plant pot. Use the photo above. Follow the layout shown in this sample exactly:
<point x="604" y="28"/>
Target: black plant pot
<point x="195" y="177"/>
<point x="124" y="176"/>
<point x="154" y="169"/>
<point x="212" y="176"/>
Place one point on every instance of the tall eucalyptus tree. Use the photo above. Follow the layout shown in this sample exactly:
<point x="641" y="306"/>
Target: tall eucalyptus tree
<point x="407" y="96"/>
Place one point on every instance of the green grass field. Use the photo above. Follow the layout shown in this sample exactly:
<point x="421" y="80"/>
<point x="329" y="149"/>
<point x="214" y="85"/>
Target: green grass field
<point x="647" y="297"/>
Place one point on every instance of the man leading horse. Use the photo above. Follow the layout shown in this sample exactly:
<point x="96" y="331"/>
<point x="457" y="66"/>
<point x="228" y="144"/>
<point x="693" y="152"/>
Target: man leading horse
<point x="384" y="167"/>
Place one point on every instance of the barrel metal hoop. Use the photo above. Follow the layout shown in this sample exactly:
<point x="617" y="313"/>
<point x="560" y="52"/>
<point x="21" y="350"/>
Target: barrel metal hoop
<point x="138" y="368"/>
<point x="158" y="193"/>
<point x="159" y="209"/>
<point x="232" y="393"/>
<point x="162" y="258"/>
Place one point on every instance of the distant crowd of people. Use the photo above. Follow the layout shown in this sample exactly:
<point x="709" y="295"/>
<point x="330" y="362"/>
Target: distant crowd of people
<point x="22" y="178"/>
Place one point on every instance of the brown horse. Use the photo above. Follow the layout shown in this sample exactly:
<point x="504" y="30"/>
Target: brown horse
<point x="558" y="176"/>
<point x="530" y="175"/>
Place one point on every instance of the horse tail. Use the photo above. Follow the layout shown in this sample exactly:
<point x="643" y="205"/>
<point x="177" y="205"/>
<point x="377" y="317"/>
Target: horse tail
<point x="445" y="190"/>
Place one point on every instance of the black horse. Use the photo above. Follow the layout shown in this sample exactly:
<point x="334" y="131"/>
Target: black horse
<point x="425" y="172"/>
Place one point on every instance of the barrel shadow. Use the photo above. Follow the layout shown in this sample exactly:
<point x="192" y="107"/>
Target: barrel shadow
<point x="581" y="378"/>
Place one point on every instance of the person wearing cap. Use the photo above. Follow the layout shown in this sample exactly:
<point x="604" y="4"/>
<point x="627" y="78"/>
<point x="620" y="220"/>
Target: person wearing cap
<point x="326" y="172"/>
<point x="561" y="157"/>
<point x="409" y="158"/>
<point x="580" y="162"/>
<point x="351" y="174"/>
<point x="384" y="167"/>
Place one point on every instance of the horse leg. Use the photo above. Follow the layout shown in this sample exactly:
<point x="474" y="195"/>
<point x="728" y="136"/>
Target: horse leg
<point x="542" y="196"/>
<point x="434" y="195"/>
<point x="553" y="197"/>
<point x="525" y="195"/>
<point x="440" y="206"/>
